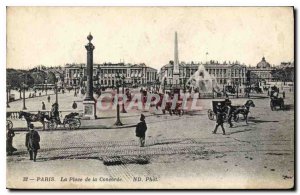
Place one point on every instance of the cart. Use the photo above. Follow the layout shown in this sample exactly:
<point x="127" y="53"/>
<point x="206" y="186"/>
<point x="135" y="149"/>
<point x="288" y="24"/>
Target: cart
<point x="71" y="121"/>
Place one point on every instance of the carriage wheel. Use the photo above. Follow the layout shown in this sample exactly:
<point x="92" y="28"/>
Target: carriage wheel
<point x="9" y="124"/>
<point x="210" y="114"/>
<point x="73" y="124"/>
<point x="52" y="124"/>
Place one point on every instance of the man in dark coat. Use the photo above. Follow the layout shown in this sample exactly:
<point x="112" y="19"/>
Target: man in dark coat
<point x="32" y="142"/>
<point x="141" y="129"/>
<point x="43" y="106"/>
<point x="9" y="141"/>
<point x="74" y="105"/>
<point x="230" y="111"/>
<point x="220" y="118"/>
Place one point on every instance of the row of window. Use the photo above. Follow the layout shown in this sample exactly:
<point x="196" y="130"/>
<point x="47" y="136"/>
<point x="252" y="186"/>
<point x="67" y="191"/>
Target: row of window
<point x="106" y="71"/>
<point x="215" y="72"/>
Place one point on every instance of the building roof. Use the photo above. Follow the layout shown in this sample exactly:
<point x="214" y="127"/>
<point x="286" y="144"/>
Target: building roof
<point x="82" y="65"/>
<point x="208" y="64"/>
<point x="263" y="64"/>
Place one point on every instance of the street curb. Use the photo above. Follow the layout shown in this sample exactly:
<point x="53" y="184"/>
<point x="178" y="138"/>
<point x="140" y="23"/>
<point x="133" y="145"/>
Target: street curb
<point x="81" y="128"/>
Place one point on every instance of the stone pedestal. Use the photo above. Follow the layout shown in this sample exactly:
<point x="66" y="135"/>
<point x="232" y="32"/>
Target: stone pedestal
<point x="89" y="109"/>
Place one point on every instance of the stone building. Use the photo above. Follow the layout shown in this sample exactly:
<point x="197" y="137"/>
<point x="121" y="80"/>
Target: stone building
<point x="105" y="74"/>
<point x="231" y="73"/>
<point x="262" y="71"/>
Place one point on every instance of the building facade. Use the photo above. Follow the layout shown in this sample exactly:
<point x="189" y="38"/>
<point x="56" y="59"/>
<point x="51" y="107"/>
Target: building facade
<point x="262" y="71"/>
<point x="106" y="74"/>
<point x="225" y="73"/>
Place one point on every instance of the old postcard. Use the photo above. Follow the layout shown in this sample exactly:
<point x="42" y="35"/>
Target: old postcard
<point x="150" y="98"/>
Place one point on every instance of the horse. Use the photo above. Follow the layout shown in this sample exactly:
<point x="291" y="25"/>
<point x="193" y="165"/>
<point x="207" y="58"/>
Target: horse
<point x="244" y="110"/>
<point x="39" y="117"/>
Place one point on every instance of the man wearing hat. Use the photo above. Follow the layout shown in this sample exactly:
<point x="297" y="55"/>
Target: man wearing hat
<point x="230" y="111"/>
<point x="32" y="142"/>
<point x="220" y="119"/>
<point x="140" y="130"/>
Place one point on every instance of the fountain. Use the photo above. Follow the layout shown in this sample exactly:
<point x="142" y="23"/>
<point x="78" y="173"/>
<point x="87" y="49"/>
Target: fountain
<point x="203" y="82"/>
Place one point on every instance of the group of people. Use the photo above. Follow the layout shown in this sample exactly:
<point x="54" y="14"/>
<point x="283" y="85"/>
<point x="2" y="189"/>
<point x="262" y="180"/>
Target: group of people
<point x="32" y="142"/>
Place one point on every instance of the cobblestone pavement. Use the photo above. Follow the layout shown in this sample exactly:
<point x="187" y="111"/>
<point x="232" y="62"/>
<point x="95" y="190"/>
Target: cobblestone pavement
<point x="260" y="154"/>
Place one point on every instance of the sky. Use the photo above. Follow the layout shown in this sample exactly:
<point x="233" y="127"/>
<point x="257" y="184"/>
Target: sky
<point x="54" y="36"/>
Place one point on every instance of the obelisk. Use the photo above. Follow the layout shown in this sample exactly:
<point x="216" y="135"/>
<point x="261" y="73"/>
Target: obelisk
<point x="89" y="103"/>
<point x="176" y="64"/>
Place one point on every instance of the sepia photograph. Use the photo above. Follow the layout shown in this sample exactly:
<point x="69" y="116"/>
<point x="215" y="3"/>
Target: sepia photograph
<point x="150" y="97"/>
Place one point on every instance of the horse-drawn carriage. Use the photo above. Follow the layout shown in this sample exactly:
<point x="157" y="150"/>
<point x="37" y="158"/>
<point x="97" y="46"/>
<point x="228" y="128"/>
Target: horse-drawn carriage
<point x="70" y="121"/>
<point x="236" y="112"/>
<point x="276" y="102"/>
<point x="211" y="113"/>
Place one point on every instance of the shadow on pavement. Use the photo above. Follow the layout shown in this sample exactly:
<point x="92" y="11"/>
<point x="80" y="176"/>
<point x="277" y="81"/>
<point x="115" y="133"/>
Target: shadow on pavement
<point x="240" y="131"/>
<point x="262" y="121"/>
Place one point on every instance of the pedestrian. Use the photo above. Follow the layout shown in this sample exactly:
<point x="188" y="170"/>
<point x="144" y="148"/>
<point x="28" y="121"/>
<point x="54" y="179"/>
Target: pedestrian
<point x="283" y="94"/>
<point x="48" y="98"/>
<point x="230" y="112"/>
<point x="9" y="141"/>
<point x="75" y="93"/>
<point x="74" y="106"/>
<point x="43" y="106"/>
<point x="220" y="119"/>
<point x="32" y="142"/>
<point x="140" y="130"/>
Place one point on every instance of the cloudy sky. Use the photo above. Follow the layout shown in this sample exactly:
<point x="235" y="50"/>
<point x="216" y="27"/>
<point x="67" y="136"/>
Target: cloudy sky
<point x="57" y="35"/>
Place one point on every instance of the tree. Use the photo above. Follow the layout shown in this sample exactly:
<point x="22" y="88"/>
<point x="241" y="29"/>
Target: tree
<point x="284" y="74"/>
<point x="51" y="78"/>
<point x="39" y="77"/>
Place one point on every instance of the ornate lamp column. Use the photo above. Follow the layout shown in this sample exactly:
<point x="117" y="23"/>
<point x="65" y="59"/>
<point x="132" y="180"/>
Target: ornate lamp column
<point x="24" y="106"/>
<point x="89" y="103"/>
<point x="123" y="83"/>
<point x="118" y="122"/>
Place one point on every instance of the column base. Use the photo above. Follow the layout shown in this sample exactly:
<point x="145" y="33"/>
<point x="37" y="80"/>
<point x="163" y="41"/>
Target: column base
<point x="89" y="110"/>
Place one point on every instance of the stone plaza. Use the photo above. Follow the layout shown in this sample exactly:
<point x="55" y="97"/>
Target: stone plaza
<point x="260" y="154"/>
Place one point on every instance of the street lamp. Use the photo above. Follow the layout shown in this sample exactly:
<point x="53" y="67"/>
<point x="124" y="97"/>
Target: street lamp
<point x="165" y="82"/>
<point x="184" y="84"/>
<point x="7" y="96"/>
<point x="237" y="90"/>
<point x="123" y="83"/>
<point x="24" y="106"/>
<point x="46" y="85"/>
<point x="98" y="76"/>
<point x="56" y="92"/>
<point x="118" y="122"/>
